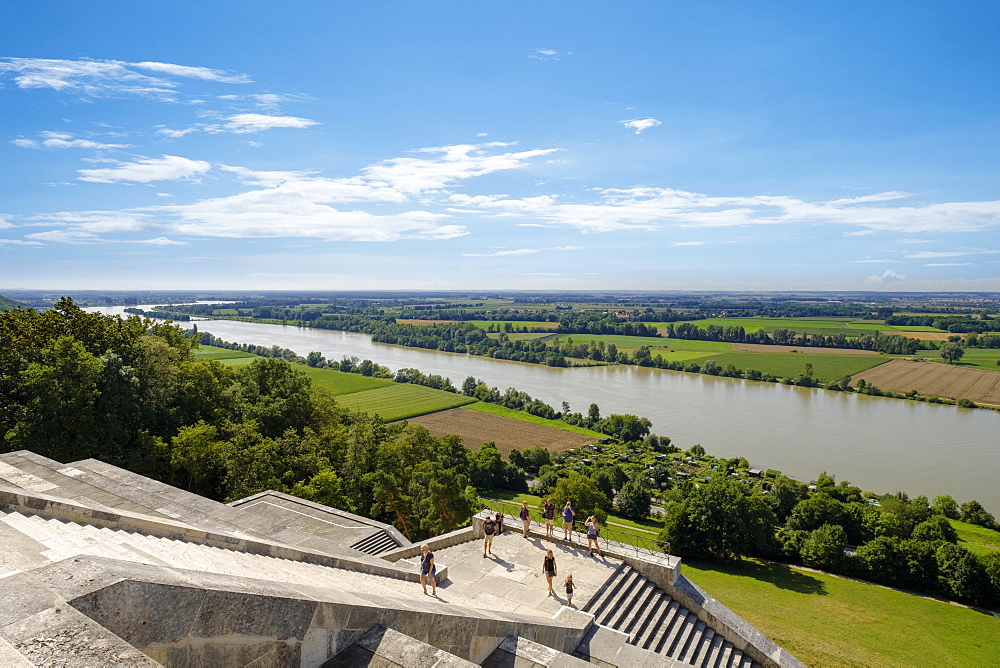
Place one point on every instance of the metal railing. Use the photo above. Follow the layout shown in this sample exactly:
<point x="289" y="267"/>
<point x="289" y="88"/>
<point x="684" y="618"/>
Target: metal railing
<point x="611" y="537"/>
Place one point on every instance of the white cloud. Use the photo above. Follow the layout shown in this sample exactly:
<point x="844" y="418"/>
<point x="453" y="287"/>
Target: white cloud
<point x="76" y="237"/>
<point x="147" y="170"/>
<point x="59" y="140"/>
<point x="885" y="278"/>
<point x="640" y="124"/>
<point x="874" y="261"/>
<point x="927" y="255"/>
<point x="108" y="78"/>
<point x="949" y="264"/>
<point x="521" y="251"/>
<point x="688" y="243"/>
<point x="5" y="221"/>
<point x="265" y="178"/>
<point x="248" y="123"/>
<point x="647" y="208"/>
<point x="176" y="134"/>
<point x="158" y="241"/>
<point x="19" y="242"/>
<point x="546" y="54"/>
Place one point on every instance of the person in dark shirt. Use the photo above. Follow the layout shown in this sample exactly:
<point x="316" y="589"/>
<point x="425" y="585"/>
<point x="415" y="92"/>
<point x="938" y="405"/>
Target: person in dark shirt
<point x="489" y="528"/>
<point x="549" y="569"/>
<point x="549" y="513"/>
<point x="427" y="569"/>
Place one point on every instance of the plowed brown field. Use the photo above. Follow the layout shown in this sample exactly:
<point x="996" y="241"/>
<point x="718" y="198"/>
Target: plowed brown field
<point x="762" y="348"/>
<point x="942" y="380"/>
<point x="476" y="428"/>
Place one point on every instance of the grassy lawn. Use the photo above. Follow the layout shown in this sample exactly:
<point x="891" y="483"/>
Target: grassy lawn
<point x="974" y="358"/>
<point x="829" y="621"/>
<point x="786" y="365"/>
<point x="400" y="401"/>
<point x="493" y="409"/>
<point x="977" y="539"/>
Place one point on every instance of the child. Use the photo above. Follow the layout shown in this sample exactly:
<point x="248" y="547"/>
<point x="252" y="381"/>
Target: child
<point x="569" y="590"/>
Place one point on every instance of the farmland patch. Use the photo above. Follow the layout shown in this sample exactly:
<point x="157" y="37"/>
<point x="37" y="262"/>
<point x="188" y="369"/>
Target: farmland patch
<point x="762" y="348"/>
<point x="942" y="380"/>
<point x="476" y="428"/>
<point x="400" y="401"/>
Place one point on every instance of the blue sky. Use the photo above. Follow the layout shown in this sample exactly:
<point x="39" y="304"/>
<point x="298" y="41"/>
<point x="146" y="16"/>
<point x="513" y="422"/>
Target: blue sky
<point x="556" y="145"/>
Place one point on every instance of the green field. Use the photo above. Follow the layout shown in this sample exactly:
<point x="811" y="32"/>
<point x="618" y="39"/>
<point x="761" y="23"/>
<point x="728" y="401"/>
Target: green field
<point x="632" y="342"/>
<point x="825" y="326"/>
<point x="400" y="401"/>
<point x="826" y="367"/>
<point x="494" y="409"/>
<point x="977" y="539"/>
<point x="213" y="353"/>
<point x="974" y="358"/>
<point x="520" y="336"/>
<point x="341" y="383"/>
<point x="829" y="621"/>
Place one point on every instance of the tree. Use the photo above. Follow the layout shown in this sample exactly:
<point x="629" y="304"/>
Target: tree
<point x="581" y="492"/>
<point x="315" y="359"/>
<point x="817" y="510"/>
<point x="723" y="519"/>
<point x="947" y="506"/>
<point x="824" y="548"/>
<point x="951" y="352"/>
<point x="937" y="528"/>
<point x="960" y="575"/>
<point x="974" y="513"/>
<point x="634" y="499"/>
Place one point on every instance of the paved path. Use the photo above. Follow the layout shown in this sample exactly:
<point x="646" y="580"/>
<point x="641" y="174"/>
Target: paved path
<point x="511" y="580"/>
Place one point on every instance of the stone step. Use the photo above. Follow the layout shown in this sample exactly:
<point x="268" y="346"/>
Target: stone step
<point x="598" y="601"/>
<point x="42" y="475"/>
<point x="69" y="539"/>
<point x="622" y="604"/>
<point x="641" y="612"/>
<point x="690" y="648"/>
<point x="376" y="543"/>
<point x="714" y="651"/>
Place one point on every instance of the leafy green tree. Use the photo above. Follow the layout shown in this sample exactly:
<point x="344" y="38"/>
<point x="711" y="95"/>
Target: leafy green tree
<point x="947" y="506"/>
<point x="881" y="559"/>
<point x="819" y="509"/>
<point x="960" y="575"/>
<point x="951" y="352"/>
<point x="824" y="548"/>
<point x="937" y="528"/>
<point x="785" y="494"/>
<point x="723" y="519"/>
<point x="974" y="513"/>
<point x="605" y="483"/>
<point x="324" y="487"/>
<point x="581" y="492"/>
<point x="634" y="499"/>
<point x="625" y="427"/>
<point x="486" y="467"/>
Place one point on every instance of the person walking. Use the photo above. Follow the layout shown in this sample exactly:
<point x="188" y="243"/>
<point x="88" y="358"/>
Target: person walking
<point x="500" y="523"/>
<point x="427" y="569"/>
<point x="549" y="569"/>
<point x="549" y="513"/>
<point x="569" y="590"/>
<point x="489" y="528"/>
<point x="593" y="531"/>
<point x="568" y="515"/>
<point x="525" y="516"/>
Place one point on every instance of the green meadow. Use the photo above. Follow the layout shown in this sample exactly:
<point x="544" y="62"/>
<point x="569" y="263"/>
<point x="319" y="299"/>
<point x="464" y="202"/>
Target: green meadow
<point x="825" y="326"/>
<point x="494" y="409"/>
<point x="829" y="621"/>
<point x="398" y="401"/>
<point x="632" y="342"/>
<point x="826" y="366"/>
<point x="977" y="539"/>
<point x="974" y="358"/>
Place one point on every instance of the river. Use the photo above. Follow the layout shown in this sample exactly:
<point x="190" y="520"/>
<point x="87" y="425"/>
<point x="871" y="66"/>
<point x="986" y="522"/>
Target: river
<point x="879" y="444"/>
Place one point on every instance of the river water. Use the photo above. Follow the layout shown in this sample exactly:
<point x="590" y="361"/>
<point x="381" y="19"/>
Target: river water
<point x="879" y="444"/>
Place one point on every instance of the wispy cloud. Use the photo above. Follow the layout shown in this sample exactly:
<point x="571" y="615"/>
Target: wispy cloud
<point x="108" y="78"/>
<point x="648" y="208"/>
<point x="874" y="261"/>
<point x="949" y="264"/>
<point x="640" y="124"/>
<point x="249" y="123"/>
<point x="926" y="255"/>
<point x="19" y="242"/>
<point x="687" y="243"/>
<point x="522" y="251"/>
<point x="60" y="140"/>
<point x="547" y="54"/>
<point x="147" y="170"/>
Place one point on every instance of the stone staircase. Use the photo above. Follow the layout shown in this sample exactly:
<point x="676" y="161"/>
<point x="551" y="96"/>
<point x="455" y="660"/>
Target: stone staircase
<point x="375" y="544"/>
<point x="631" y="604"/>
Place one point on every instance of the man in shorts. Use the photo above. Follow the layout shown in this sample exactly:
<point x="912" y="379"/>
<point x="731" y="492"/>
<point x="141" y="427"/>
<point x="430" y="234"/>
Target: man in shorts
<point x="549" y="513"/>
<point x="568" y="515"/>
<point x="489" y="528"/>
